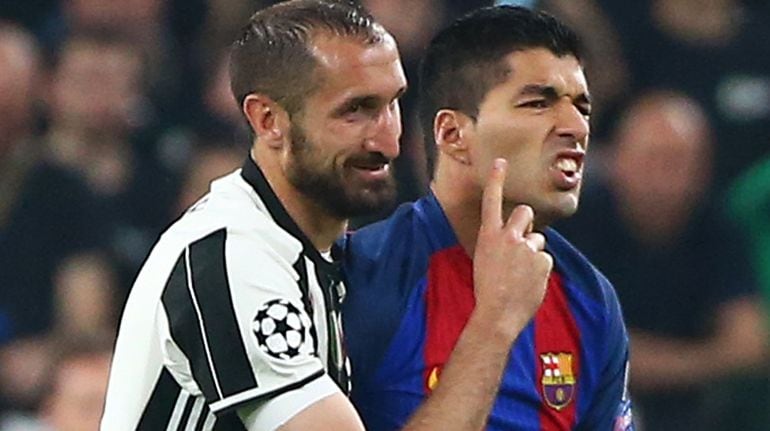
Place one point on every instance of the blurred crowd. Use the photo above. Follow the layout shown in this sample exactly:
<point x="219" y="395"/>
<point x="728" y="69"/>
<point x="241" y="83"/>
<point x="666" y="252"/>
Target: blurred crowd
<point x="115" y="115"/>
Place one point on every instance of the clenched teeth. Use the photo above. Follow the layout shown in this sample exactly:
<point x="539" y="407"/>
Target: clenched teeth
<point x="567" y="164"/>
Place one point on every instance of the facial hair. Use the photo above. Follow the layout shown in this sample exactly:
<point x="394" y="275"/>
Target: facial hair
<point x="334" y="187"/>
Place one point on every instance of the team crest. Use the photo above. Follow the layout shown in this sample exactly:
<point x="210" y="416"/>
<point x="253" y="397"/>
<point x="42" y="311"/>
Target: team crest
<point x="558" y="379"/>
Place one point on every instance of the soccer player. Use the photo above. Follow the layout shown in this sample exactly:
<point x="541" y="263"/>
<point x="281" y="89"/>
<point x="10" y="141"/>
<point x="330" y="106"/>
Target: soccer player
<point x="233" y="322"/>
<point x="502" y="82"/>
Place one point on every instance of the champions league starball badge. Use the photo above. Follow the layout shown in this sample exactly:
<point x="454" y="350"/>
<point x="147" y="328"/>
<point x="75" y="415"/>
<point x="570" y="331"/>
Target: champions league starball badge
<point x="280" y="329"/>
<point x="558" y="379"/>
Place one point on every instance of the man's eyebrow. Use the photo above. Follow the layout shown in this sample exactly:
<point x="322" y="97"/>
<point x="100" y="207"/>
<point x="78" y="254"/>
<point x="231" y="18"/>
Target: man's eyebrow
<point x="546" y="91"/>
<point x="549" y="92"/>
<point x="367" y="100"/>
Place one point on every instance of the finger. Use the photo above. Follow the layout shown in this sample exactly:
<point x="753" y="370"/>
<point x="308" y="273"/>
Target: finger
<point x="492" y="199"/>
<point x="520" y="220"/>
<point x="535" y="241"/>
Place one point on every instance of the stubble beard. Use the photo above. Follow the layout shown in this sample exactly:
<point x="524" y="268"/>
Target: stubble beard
<point x="329" y="188"/>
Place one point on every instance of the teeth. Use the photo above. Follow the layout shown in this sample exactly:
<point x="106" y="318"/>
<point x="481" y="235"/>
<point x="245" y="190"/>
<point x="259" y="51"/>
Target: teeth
<point x="567" y="164"/>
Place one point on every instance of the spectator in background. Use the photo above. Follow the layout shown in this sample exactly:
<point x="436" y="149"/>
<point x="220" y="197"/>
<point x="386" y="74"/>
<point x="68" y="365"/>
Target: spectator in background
<point x="679" y="267"/>
<point x="85" y="297"/>
<point x="219" y="124"/>
<point x="45" y="208"/>
<point x="77" y="383"/>
<point x="83" y="307"/>
<point x="144" y="24"/>
<point x="96" y="92"/>
<point x="44" y="217"/>
<point x="207" y="164"/>
<point x="713" y="51"/>
<point x="160" y="32"/>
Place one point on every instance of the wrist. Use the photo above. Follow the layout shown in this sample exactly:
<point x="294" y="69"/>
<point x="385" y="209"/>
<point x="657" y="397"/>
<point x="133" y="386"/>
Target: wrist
<point x="498" y="324"/>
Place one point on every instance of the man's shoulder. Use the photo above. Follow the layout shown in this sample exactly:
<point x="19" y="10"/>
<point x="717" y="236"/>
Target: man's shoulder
<point x="374" y="241"/>
<point x="384" y="263"/>
<point x="419" y="226"/>
<point x="233" y="213"/>
<point x="233" y="206"/>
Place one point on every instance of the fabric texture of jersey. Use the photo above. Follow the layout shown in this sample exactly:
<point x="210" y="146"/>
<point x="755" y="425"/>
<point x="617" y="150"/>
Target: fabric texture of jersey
<point x="410" y="295"/>
<point x="234" y="305"/>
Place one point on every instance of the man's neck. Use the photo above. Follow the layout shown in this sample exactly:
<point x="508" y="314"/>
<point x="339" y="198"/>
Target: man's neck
<point x="320" y="227"/>
<point x="460" y="199"/>
<point x="463" y="211"/>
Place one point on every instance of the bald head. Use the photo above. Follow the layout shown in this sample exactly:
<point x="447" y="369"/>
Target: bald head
<point x="663" y="149"/>
<point x="674" y="119"/>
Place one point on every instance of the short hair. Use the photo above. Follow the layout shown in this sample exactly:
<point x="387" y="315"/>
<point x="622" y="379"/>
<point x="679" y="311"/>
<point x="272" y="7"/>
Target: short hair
<point x="273" y="55"/>
<point x="465" y="60"/>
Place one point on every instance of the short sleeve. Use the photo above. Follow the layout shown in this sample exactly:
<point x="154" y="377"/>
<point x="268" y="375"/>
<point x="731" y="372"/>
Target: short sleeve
<point x="610" y="408"/>
<point x="275" y="412"/>
<point x="232" y="323"/>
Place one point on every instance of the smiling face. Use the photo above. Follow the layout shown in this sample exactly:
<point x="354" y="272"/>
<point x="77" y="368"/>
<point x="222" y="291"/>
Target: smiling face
<point x="346" y="135"/>
<point x="537" y="119"/>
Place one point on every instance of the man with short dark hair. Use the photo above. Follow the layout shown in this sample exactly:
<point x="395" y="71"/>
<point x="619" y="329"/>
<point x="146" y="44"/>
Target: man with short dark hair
<point x="233" y="323"/>
<point x="502" y="82"/>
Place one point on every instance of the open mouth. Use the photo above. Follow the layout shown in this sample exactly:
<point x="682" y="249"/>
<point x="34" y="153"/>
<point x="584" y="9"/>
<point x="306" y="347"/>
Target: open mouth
<point x="567" y="169"/>
<point x="374" y="167"/>
<point x="568" y="166"/>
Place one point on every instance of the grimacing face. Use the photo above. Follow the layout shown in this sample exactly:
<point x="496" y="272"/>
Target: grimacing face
<point x="538" y="120"/>
<point x="344" y="139"/>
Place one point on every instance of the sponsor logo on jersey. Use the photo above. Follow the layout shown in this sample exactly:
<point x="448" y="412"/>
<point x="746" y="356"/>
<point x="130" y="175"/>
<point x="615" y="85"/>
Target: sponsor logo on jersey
<point x="558" y="379"/>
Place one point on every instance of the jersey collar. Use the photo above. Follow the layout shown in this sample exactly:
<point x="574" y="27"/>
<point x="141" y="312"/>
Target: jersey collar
<point x="254" y="176"/>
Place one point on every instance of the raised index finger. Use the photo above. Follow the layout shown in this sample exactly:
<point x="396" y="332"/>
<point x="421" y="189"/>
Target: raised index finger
<point x="492" y="199"/>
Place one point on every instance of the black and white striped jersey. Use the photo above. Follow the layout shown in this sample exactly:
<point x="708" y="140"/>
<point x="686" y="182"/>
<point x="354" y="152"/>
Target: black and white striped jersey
<point x="233" y="306"/>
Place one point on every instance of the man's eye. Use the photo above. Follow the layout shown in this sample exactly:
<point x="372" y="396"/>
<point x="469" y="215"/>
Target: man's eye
<point x="354" y="108"/>
<point x="539" y="103"/>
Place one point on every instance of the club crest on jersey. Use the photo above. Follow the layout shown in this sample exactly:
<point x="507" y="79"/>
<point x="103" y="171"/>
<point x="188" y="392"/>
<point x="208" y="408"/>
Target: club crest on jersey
<point x="558" y="379"/>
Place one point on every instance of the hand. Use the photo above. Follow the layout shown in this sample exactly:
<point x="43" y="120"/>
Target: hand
<point x="510" y="266"/>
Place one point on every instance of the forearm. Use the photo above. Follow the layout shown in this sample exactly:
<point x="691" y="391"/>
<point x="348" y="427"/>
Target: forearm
<point x="469" y="383"/>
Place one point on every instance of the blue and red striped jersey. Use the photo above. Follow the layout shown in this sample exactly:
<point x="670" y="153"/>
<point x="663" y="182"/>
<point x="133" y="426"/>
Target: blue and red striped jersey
<point x="410" y="293"/>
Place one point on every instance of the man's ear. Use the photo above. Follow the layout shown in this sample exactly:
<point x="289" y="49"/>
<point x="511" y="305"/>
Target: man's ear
<point x="268" y="120"/>
<point x="451" y="129"/>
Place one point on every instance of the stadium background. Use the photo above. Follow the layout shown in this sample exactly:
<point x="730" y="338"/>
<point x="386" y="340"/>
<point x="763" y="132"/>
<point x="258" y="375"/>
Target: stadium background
<point x="114" y="115"/>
